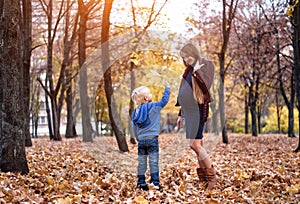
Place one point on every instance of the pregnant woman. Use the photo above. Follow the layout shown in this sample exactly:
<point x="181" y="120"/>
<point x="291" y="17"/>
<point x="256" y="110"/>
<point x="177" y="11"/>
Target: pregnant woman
<point x="194" y="98"/>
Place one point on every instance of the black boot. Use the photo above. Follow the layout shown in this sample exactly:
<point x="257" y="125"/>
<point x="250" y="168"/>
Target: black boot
<point x="143" y="187"/>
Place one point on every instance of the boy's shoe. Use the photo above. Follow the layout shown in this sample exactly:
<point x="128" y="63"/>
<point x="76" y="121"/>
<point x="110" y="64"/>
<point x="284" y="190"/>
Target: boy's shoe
<point x="160" y="188"/>
<point x="143" y="187"/>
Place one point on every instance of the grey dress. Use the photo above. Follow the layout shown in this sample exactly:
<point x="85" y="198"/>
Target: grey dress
<point x="190" y="109"/>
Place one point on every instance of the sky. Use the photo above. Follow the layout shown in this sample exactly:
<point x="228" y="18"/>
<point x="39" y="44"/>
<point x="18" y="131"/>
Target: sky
<point x="178" y="10"/>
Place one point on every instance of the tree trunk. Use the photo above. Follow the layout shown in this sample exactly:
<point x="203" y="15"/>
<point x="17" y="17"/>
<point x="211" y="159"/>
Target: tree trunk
<point x="35" y="128"/>
<point x="84" y="100"/>
<point x="222" y="105"/>
<point x="27" y="47"/>
<point x="221" y="98"/>
<point x="296" y="45"/>
<point x="70" y="127"/>
<point x="259" y="119"/>
<point x="49" y="120"/>
<point x="120" y="135"/>
<point x="12" y="114"/>
<point x="113" y="115"/>
<point x="253" y="112"/>
<point x="70" y="133"/>
<point x="226" y="28"/>
<point x="131" y="104"/>
<point x="278" y="113"/>
<point x="49" y="72"/>
<point x="55" y="118"/>
<point x="246" y="111"/>
<point x="291" y="132"/>
<point x="253" y="121"/>
<point x="35" y="107"/>
<point x="289" y="104"/>
<point x="52" y="115"/>
<point x="215" y="122"/>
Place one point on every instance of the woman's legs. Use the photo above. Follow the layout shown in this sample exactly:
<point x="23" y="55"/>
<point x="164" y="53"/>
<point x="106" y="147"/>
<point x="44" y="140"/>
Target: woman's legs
<point x="205" y="165"/>
<point x="203" y="158"/>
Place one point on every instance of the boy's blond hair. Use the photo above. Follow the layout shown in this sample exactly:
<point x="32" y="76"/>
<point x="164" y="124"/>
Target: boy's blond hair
<point x="138" y="95"/>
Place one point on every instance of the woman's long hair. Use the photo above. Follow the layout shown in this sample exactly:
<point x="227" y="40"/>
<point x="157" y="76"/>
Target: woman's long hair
<point x="190" y="50"/>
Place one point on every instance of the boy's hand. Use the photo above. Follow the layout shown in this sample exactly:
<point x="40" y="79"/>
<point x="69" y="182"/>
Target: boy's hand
<point x="167" y="84"/>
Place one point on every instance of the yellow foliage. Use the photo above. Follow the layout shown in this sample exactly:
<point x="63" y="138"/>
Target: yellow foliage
<point x="289" y="11"/>
<point x="271" y="120"/>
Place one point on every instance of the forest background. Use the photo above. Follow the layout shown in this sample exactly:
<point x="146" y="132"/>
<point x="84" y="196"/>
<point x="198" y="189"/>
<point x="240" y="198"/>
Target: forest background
<point x="83" y="58"/>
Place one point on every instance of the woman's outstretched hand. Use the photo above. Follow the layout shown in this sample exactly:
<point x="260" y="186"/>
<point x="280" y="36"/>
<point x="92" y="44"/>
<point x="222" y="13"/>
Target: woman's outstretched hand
<point x="197" y="66"/>
<point x="179" y="122"/>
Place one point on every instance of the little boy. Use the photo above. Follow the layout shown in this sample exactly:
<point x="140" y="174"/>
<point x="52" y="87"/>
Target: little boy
<point x="146" y="128"/>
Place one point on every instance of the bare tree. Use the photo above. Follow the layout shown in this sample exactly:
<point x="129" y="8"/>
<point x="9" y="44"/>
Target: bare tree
<point x="56" y="91"/>
<point x="84" y="100"/>
<point x="279" y="21"/>
<point x="115" y="118"/>
<point x="68" y="42"/>
<point x="227" y="19"/>
<point x="255" y="62"/>
<point x="52" y="91"/>
<point x="84" y="11"/>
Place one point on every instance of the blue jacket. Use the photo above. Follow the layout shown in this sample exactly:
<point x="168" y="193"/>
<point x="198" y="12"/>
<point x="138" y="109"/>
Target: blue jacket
<point x="146" y="117"/>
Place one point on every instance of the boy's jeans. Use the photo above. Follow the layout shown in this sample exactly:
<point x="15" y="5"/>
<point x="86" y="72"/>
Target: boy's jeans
<point x="148" y="148"/>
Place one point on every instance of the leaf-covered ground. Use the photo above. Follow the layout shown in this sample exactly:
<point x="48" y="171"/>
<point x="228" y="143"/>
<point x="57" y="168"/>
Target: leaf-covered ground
<point x="261" y="169"/>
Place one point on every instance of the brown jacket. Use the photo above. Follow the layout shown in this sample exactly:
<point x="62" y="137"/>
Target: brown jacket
<point x="202" y="80"/>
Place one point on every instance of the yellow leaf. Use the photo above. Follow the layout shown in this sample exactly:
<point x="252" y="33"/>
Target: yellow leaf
<point x="2" y="194"/>
<point x="99" y="181"/>
<point x="77" y="198"/>
<point x="63" y="185"/>
<point x="141" y="199"/>
<point x="102" y="183"/>
<point x="212" y="201"/>
<point x="135" y="61"/>
<point x="80" y="178"/>
<point x="49" y="180"/>
<point x="281" y="170"/>
<point x="66" y="183"/>
<point x="182" y="189"/>
<point x="245" y="175"/>
<point x="289" y="11"/>
<point x="67" y="200"/>
<point x="30" y="180"/>
<point x="292" y="189"/>
<point x="42" y="171"/>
